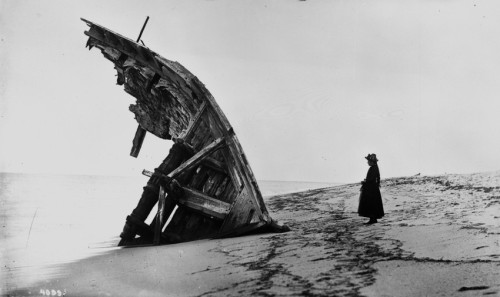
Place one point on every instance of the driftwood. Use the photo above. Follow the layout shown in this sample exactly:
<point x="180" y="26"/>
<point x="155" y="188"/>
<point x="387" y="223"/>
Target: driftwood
<point x="215" y="190"/>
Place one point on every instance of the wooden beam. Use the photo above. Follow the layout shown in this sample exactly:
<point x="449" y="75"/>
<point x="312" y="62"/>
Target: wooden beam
<point x="159" y="216"/>
<point x="194" y="123"/>
<point x="228" y="159"/>
<point x="154" y="80"/>
<point x="198" y="157"/>
<point x="142" y="30"/>
<point x="127" y="46"/>
<point x="215" y="107"/>
<point x="246" y="172"/>
<point x="204" y="203"/>
<point x="215" y="165"/>
<point x="140" y="133"/>
<point x="147" y="173"/>
<point x="209" y="162"/>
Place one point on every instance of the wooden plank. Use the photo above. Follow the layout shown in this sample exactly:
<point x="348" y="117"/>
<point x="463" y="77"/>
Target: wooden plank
<point x="214" y="123"/>
<point x="218" y="131"/>
<point x="159" y="215"/>
<point x="229" y="194"/>
<point x="213" y="184"/>
<point x="223" y="187"/>
<point x="111" y="54"/>
<point x="198" y="157"/>
<point x="199" y="177"/>
<point x="233" y="172"/>
<point x="95" y="32"/>
<point x="247" y="174"/>
<point x="111" y="39"/>
<point x="152" y="82"/>
<point x="189" y="224"/>
<point x="208" y="161"/>
<point x="206" y="138"/>
<point x="246" y="209"/>
<point x="147" y="173"/>
<point x="202" y="130"/>
<point x="228" y="159"/>
<point x="242" y="173"/>
<point x="180" y="95"/>
<point x="150" y="174"/>
<point x="140" y="133"/>
<point x="226" y="127"/>
<point x="215" y="165"/>
<point x="204" y="203"/>
<point x="217" y="156"/>
<point x="124" y="45"/>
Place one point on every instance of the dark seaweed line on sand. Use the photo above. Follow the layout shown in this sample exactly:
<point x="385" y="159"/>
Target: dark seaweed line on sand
<point x="351" y="259"/>
<point x="346" y="276"/>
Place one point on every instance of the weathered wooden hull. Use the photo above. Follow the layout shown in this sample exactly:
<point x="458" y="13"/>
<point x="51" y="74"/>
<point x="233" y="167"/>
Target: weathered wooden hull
<point x="220" y="195"/>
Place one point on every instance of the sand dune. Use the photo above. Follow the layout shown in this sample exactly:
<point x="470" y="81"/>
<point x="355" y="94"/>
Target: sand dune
<point x="440" y="237"/>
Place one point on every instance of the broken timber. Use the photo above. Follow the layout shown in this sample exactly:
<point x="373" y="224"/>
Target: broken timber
<point x="217" y="194"/>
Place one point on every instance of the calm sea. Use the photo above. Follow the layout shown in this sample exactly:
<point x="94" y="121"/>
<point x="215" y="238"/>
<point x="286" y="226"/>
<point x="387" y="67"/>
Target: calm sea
<point x="50" y="219"/>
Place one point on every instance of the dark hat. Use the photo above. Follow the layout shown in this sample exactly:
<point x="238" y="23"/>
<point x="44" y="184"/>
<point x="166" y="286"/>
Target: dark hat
<point x="371" y="157"/>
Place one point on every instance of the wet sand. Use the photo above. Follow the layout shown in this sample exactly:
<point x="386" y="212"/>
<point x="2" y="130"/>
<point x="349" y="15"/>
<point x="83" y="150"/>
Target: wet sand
<point x="440" y="237"/>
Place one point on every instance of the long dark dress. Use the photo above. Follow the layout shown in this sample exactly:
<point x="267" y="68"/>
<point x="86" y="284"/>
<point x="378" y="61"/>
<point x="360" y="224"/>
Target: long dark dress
<point x="370" y="200"/>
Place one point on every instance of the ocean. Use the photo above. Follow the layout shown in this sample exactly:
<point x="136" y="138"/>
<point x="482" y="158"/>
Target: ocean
<point x="54" y="219"/>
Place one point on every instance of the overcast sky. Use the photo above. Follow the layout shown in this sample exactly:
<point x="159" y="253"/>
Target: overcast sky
<point x="311" y="87"/>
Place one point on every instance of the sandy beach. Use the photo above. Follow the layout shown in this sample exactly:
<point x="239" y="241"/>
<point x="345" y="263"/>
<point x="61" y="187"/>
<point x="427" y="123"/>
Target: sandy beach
<point x="440" y="237"/>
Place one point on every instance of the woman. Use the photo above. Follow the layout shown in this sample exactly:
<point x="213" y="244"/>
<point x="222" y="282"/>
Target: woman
<point x="370" y="200"/>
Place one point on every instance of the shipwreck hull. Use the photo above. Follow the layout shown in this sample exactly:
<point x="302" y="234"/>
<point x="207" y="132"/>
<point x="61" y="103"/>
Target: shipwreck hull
<point x="219" y="193"/>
